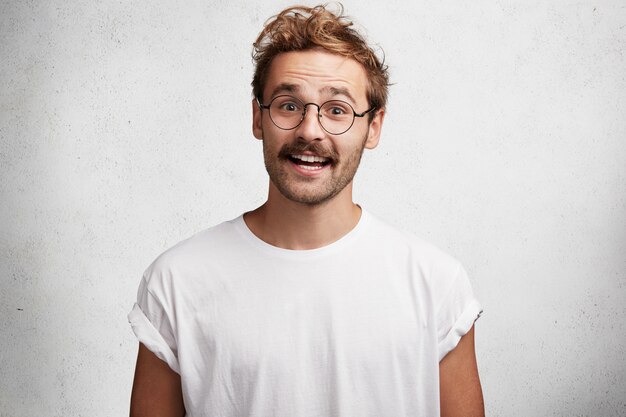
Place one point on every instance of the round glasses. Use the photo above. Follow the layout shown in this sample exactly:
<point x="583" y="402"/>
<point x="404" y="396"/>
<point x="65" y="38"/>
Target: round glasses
<point x="335" y="116"/>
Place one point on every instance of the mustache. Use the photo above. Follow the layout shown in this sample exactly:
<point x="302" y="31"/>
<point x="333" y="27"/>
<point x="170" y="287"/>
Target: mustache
<point x="317" y="148"/>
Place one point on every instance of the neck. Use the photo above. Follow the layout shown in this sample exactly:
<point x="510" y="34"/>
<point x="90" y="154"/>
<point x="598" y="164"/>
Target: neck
<point x="291" y="225"/>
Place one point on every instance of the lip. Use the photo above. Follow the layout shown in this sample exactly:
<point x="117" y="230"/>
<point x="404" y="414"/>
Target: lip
<point x="309" y="173"/>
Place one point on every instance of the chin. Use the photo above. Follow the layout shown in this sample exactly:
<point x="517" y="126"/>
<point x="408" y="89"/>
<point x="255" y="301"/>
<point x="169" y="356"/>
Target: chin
<point x="307" y="199"/>
<point x="313" y="197"/>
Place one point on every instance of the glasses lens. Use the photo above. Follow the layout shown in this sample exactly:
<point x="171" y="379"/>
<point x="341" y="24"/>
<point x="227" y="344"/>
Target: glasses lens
<point x="336" y="116"/>
<point x="286" y="112"/>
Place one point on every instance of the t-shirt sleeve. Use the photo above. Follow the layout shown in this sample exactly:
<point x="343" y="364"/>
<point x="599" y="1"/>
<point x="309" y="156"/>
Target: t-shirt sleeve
<point x="150" y="321"/>
<point x="456" y="314"/>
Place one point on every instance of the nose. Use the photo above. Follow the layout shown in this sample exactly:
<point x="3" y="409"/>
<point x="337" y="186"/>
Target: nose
<point x="310" y="128"/>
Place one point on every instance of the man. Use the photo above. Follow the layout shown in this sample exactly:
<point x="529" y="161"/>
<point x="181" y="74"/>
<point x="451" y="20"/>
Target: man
<point x="308" y="305"/>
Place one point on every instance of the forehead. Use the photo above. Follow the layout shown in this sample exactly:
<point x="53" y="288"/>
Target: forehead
<point x="316" y="74"/>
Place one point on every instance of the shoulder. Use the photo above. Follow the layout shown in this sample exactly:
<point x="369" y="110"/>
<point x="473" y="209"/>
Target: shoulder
<point x="195" y="253"/>
<point x="426" y="261"/>
<point x="393" y="239"/>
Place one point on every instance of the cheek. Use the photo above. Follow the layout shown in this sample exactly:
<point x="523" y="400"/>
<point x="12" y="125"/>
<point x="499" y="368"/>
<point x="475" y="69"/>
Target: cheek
<point x="353" y="143"/>
<point x="271" y="143"/>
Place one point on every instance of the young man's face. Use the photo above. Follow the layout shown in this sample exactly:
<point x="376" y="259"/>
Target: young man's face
<point x="315" y="76"/>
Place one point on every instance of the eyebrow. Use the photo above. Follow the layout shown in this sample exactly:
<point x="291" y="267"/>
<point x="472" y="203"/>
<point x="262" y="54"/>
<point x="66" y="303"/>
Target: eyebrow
<point x="294" y="88"/>
<point x="285" y="88"/>
<point x="339" y="91"/>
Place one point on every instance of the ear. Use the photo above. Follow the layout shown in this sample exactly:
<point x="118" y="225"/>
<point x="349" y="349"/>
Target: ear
<point x="257" y="120"/>
<point x="375" y="127"/>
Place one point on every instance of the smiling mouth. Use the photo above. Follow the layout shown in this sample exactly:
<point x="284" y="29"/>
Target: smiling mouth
<point x="310" y="162"/>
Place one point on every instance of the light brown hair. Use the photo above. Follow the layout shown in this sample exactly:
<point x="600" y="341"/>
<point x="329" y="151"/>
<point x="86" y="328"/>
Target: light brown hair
<point x="300" y="28"/>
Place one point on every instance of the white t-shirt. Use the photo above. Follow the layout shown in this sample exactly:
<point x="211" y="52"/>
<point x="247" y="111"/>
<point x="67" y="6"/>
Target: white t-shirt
<point x="355" y="328"/>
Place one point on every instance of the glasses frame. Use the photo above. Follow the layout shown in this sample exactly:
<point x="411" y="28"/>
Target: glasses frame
<point x="305" y="106"/>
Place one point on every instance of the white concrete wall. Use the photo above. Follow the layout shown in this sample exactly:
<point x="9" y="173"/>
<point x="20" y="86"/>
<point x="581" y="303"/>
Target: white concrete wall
<point x="125" y="127"/>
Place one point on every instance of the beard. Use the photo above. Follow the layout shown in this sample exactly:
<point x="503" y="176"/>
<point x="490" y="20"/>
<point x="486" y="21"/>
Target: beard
<point x="311" y="191"/>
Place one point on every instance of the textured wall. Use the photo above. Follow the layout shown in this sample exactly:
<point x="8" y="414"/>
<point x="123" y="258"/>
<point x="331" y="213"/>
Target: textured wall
<point x="125" y="127"/>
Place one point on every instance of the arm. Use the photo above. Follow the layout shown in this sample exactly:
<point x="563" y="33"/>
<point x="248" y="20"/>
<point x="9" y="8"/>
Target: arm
<point x="460" y="391"/>
<point x="157" y="389"/>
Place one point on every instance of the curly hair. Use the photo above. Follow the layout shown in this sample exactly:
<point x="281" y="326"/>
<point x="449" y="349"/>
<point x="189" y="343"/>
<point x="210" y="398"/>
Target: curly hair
<point x="300" y="28"/>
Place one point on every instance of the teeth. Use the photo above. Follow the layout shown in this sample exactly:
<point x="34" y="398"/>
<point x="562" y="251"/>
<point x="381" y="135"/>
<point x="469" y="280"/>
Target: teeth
<point x="309" y="158"/>
<point x="310" y="168"/>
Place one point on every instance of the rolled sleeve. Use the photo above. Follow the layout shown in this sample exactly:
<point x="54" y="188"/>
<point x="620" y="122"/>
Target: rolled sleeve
<point x="149" y="336"/>
<point x="457" y="314"/>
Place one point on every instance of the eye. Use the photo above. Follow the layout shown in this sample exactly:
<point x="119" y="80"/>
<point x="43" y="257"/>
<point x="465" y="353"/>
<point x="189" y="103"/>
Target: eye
<point x="290" y="107"/>
<point x="287" y="105"/>
<point x="337" y="111"/>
